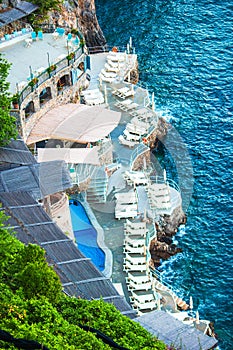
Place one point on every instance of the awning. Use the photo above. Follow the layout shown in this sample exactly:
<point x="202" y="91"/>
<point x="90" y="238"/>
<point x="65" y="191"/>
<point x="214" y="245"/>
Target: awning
<point x="69" y="155"/>
<point x="77" y="123"/>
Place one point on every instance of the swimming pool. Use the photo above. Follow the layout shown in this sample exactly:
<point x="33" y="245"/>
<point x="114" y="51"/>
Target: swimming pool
<point x="86" y="235"/>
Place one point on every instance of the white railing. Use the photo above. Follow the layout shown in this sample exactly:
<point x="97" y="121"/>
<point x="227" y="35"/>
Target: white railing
<point x="160" y="180"/>
<point x="139" y="150"/>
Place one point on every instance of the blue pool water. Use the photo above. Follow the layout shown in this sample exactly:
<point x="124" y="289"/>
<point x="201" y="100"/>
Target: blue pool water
<point x="185" y="53"/>
<point x="86" y="235"/>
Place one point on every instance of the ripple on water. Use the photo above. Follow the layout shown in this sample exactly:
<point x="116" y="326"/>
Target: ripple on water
<point x="185" y="57"/>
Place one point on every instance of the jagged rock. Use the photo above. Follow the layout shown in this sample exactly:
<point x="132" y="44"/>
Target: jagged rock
<point x="88" y="24"/>
<point x="162" y="247"/>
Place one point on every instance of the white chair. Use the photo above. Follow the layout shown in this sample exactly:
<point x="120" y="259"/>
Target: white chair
<point x="106" y="79"/>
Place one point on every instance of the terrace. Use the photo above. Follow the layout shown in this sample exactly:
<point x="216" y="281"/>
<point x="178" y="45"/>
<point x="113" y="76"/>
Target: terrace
<point x="29" y="61"/>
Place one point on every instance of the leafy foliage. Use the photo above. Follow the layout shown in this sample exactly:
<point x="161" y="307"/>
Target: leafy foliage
<point x="33" y="307"/>
<point x="7" y="122"/>
<point x="48" y="5"/>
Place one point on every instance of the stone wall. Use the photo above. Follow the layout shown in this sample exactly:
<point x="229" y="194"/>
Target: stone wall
<point x="139" y="162"/>
<point x="159" y="133"/>
<point x="57" y="207"/>
<point x="60" y="213"/>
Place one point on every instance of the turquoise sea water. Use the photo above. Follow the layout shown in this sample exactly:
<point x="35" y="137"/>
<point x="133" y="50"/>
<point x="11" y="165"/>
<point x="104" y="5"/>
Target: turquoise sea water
<point x="185" y="54"/>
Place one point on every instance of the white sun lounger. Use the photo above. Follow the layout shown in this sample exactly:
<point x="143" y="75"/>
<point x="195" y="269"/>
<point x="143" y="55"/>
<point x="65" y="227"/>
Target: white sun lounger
<point x="126" y="106"/>
<point x="131" y="285"/>
<point x="133" y="267"/>
<point x="131" y="136"/>
<point x="145" y="306"/>
<point x="120" y="91"/>
<point x="126" y="207"/>
<point x="143" y="112"/>
<point x="134" y="241"/>
<point x="125" y="142"/>
<point x="90" y="92"/>
<point x="136" y="178"/>
<point x="125" y="212"/>
<point x="108" y="74"/>
<point x="130" y="249"/>
<point x="130" y="107"/>
<point x="93" y="97"/>
<point x="126" y="197"/>
<point x="124" y="92"/>
<point x="142" y="296"/>
<point x="115" y="64"/>
<point x="130" y="231"/>
<point x="136" y="129"/>
<point x="135" y="258"/>
<point x="106" y="79"/>
<point x="135" y="225"/>
<point x="123" y="103"/>
<point x="116" y="57"/>
<point x="110" y="68"/>
<point x="94" y="101"/>
<point x="138" y="277"/>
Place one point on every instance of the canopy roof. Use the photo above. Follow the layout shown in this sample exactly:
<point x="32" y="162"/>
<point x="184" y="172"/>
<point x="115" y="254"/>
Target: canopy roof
<point x="77" y="123"/>
<point x="69" y="155"/>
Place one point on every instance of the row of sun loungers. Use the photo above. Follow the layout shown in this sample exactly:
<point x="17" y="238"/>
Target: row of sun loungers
<point x="135" y="178"/>
<point x="116" y="56"/>
<point x="159" y="196"/>
<point x="115" y="62"/>
<point x="108" y="77"/>
<point x="126" y="205"/>
<point x="126" y="105"/>
<point x="138" y="280"/>
<point x="124" y="92"/>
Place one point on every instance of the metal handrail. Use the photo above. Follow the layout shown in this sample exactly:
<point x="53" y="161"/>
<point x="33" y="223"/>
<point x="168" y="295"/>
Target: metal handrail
<point x="160" y="180"/>
<point x="140" y="149"/>
<point x="106" y="48"/>
<point x="42" y="77"/>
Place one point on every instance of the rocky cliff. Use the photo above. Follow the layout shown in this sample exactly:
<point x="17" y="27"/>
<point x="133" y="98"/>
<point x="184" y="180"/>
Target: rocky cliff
<point x="88" y="24"/>
<point x="81" y="15"/>
<point x="77" y="14"/>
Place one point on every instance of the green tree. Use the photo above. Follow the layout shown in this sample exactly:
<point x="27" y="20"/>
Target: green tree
<point x="8" y="128"/>
<point x="32" y="306"/>
<point x="46" y="6"/>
